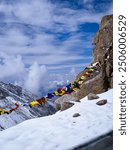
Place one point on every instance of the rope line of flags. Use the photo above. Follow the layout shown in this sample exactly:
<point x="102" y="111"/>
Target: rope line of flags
<point x="68" y="89"/>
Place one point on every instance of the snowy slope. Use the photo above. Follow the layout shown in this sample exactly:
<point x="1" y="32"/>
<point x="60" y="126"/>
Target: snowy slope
<point x="10" y="94"/>
<point x="61" y="131"/>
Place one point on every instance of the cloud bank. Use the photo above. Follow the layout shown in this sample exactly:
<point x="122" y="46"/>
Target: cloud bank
<point x="36" y="78"/>
<point x="47" y="36"/>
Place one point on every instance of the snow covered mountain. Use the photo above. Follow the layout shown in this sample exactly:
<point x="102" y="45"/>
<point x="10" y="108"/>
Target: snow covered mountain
<point x="63" y="131"/>
<point x="11" y="94"/>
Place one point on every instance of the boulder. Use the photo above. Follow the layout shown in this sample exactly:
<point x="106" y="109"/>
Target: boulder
<point x="66" y="105"/>
<point x="102" y="102"/>
<point x="60" y="102"/>
<point x="76" y="115"/>
<point x="95" y="85"/>
<point x="92" y="96"/>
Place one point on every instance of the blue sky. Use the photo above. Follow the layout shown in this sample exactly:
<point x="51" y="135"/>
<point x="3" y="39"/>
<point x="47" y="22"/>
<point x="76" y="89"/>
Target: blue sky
<point x="55" y="33"/>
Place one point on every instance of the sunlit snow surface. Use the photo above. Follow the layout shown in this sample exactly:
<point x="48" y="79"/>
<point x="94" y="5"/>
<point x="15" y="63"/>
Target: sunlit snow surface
<point x="61" y="131"/>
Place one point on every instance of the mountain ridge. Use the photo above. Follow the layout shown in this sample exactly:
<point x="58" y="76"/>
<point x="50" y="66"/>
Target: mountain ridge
<point x="11" y="94"/>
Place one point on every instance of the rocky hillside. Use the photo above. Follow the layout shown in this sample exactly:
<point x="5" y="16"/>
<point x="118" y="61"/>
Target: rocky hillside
<point x="9" y="95"/>
<point x="102" y="80"/>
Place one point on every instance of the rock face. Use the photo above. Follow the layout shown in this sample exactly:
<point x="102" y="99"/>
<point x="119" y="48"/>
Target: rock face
<point x="10" y="94"/>
<point x="102" y="79"/>
<point x="103" y="53"/>
<point x="95" y="85"/>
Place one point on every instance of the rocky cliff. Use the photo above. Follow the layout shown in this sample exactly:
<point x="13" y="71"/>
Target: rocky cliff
<point x="103" y="53"/>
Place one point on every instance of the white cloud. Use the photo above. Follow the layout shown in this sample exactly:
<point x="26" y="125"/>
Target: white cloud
<point x="44" y="48"/>
<point x="53" y="59"/>
<point x="79" y="65"/>
<point x="13" y="38"/>
<point x="10" y="66"/>
<point x="36" y="77"/>
<point x="45" y="14"/>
